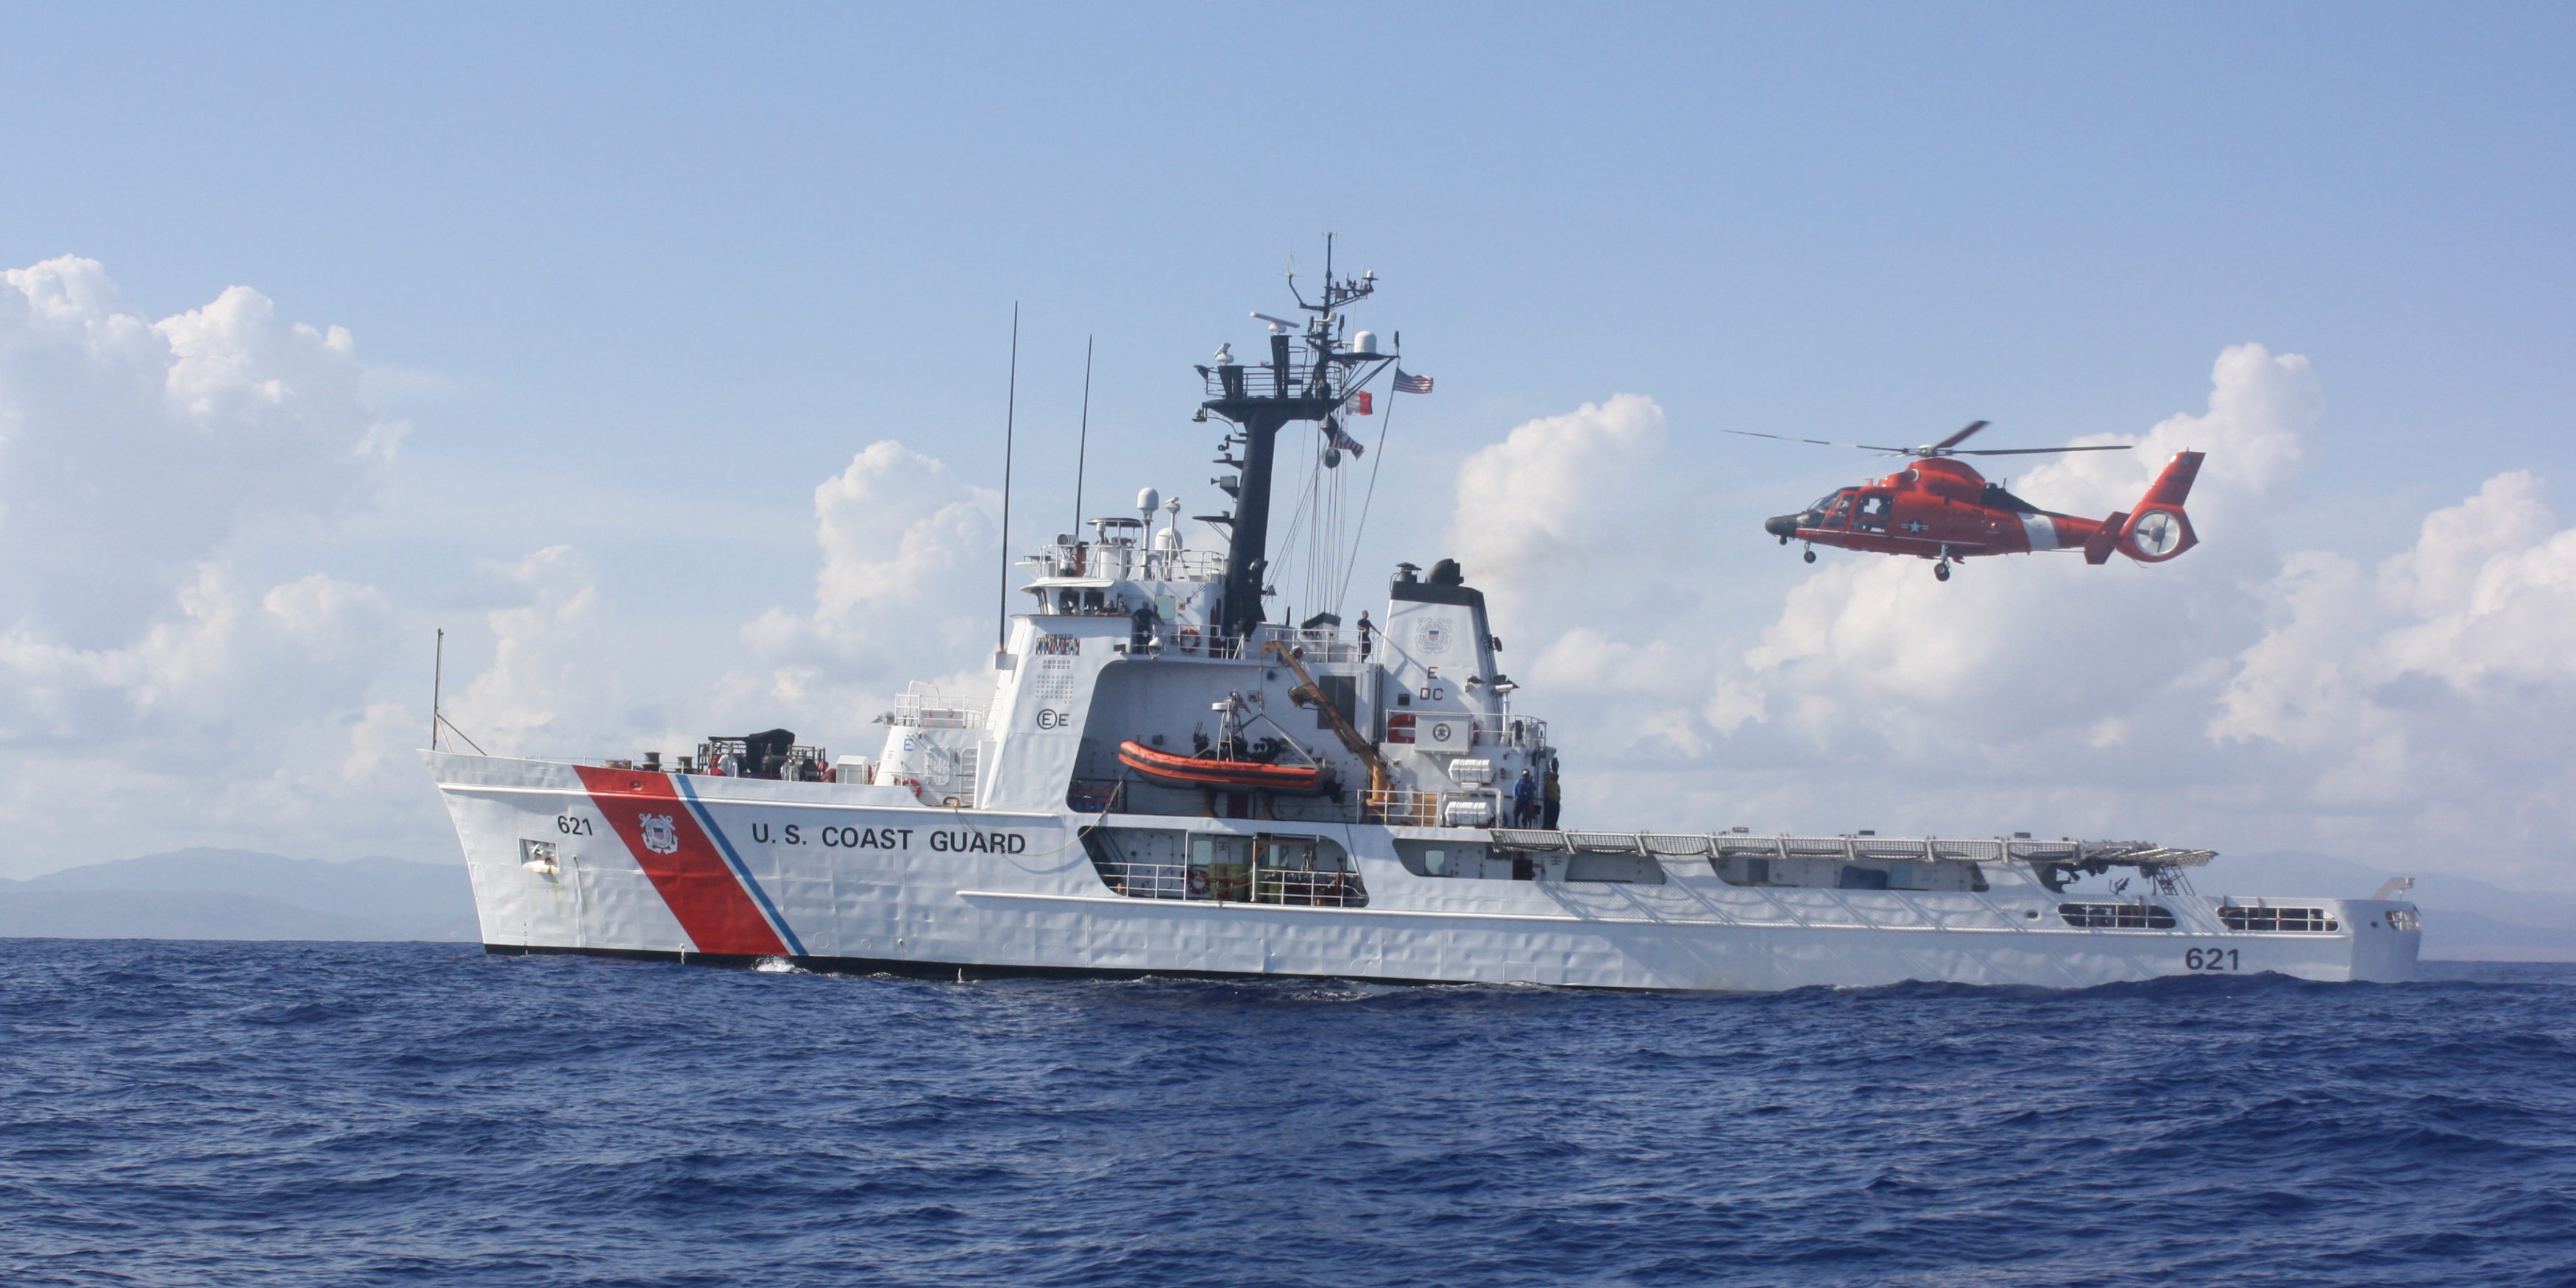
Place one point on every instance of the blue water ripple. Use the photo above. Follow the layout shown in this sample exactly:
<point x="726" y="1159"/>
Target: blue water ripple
<point x="353" y="1114"/>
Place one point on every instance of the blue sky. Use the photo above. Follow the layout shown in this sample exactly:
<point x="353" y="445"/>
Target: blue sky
<point x="639" y="278"/>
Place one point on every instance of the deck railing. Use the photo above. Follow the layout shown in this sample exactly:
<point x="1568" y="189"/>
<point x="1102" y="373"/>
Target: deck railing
<point x="917" y="708"/>
<point x="1243" y="883"/>
<point x="1115" y="562"/>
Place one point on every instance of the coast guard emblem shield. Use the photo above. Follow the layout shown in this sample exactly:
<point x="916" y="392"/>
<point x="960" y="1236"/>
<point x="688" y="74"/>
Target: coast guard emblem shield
<point x="659" y="836"/>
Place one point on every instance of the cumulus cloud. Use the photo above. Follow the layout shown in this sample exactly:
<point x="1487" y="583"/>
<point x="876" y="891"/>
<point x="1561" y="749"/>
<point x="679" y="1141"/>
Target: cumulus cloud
<point x="2237" y="697"/>
<point x="1872" y="657"/>
<point x="141" y="680"/>
<point x="1555" y="494"/>
<point x="145" y="678"/>
<point x="904" y="590"/>
<point x="130" y="449"/>
<point x="2431" y="692"/>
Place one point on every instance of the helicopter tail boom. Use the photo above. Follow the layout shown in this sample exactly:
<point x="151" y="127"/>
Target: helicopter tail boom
<point x="2158" y="529"/>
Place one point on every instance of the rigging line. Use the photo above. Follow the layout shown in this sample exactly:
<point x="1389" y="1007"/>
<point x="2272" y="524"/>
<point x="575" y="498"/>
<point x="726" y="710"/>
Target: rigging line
<point x="1383" y="427"/>
<point x="1010" y="425"/>
<point x="1082" y="452"/>
<point x="451" y="728"/>
<point x="1296" y="521"/>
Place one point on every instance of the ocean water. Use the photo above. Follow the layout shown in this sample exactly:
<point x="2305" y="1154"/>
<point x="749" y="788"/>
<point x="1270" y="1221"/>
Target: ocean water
<point x="348" y="1114"/>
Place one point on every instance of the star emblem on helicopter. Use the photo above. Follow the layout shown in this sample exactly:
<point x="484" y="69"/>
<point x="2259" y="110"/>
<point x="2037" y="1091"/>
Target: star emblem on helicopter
<point x="1916" y="526"/>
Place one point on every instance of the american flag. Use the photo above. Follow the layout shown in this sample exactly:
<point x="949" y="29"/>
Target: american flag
<point x="1333" y="430"/>
<point x="1405" y="384"/>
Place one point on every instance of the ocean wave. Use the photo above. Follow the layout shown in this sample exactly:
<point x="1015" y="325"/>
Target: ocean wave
<point x="390" y="1114"/>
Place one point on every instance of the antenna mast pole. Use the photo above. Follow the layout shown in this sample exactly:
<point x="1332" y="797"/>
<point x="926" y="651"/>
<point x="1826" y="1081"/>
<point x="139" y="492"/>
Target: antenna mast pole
<point x="1312" y="391"/>
<point x="1010" y="426"/>
<point x="437" y="679"/>
<point x="1082" y="452"/>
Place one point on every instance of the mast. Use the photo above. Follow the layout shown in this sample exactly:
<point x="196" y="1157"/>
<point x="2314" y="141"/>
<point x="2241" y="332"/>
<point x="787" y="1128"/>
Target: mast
<point x="1306" y="379"/>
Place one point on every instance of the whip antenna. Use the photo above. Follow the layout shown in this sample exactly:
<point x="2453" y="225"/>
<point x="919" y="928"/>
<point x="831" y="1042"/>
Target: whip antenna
<point x="1010" y="425"/>
<point x="1082" y="448"/>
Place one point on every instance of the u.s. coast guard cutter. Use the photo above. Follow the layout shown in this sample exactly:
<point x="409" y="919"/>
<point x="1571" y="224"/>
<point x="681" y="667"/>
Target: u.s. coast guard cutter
<point x="1165" y="782"/>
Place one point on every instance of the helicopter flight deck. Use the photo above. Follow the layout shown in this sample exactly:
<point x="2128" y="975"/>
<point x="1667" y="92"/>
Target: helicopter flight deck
<point x="1164" y="780"/>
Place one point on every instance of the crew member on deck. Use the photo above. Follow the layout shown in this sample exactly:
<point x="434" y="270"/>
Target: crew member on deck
<point x="1550" y="797"/>
<point x="1525" y="800"/>
<point x="1366" y="631"/>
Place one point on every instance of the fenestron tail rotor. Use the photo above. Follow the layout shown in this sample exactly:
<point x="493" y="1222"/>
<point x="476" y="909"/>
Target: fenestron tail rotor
<point x="1946" y="447"/>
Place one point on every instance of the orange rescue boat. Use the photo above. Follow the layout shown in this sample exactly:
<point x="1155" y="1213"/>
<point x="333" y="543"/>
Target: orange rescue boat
<point x="1238" y="775"/>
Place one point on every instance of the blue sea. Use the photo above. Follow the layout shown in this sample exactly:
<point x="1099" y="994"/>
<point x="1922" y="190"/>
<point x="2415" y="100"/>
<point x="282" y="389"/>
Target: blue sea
<point x="351" y="1114"/>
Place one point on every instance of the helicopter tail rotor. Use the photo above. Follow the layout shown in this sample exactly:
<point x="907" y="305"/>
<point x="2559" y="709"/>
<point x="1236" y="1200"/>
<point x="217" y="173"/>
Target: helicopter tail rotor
<point x="2158" y="529"/>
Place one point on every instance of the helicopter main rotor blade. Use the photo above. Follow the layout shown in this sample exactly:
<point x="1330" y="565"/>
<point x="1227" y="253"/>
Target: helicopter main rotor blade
<point x="1962" y="436"/>
<point x="2039" y="451"/>
<point x="1820" y="442"/>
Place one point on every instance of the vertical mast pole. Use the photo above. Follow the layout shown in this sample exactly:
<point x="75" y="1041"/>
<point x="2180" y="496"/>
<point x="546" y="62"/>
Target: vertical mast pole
<point x="1082" y="450"/>
<point x="437" y="677"/>
<point x="1010" y="425"/>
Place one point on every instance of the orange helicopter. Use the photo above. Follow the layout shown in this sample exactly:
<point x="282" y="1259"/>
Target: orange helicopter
<point x="1940" y="509"/>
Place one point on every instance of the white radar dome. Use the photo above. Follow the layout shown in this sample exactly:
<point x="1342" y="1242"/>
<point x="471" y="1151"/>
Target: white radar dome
<point x="1149" y="499"/>
<point x="1364" y="342"/>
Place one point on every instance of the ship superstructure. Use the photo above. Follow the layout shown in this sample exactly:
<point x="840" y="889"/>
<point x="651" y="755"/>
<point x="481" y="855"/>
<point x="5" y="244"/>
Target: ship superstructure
<point x="1166" y="781"/>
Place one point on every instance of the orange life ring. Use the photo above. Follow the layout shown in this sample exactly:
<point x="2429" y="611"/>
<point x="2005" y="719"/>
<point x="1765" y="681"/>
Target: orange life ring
<point x="1189" y="639"/>
<point x="1198" y="881"/>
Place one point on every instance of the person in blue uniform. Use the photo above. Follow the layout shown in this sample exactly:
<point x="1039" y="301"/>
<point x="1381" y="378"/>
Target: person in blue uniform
<point x="1525" y="800"/>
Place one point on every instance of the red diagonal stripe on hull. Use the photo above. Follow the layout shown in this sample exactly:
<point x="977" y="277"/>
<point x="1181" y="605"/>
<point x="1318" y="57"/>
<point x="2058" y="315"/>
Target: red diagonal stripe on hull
<point x="694" y="879"/>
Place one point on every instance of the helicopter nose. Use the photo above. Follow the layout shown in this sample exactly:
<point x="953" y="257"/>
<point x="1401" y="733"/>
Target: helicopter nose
<point x="1785" y="525"/>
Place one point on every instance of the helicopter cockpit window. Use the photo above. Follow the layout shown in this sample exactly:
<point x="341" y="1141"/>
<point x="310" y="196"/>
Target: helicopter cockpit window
<point x="1840" y="513"/>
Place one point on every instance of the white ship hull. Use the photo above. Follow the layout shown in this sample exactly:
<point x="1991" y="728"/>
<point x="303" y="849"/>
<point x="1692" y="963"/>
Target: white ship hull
<point x="568" y="858"/>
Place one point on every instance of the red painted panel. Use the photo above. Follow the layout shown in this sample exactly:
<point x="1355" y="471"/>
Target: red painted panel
<point x="681" y="860"/>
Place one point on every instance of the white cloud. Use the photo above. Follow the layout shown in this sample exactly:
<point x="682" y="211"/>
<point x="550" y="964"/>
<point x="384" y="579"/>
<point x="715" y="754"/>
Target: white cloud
<point x="2235" y="697"/>
<point x="2434" y="693"/>
<point x="131" y="450"/>
<point x="146" y="693"/>
<point x="1871" y="656"/>
<point x="1536" y="509"/>
<point x="905" y="590"/>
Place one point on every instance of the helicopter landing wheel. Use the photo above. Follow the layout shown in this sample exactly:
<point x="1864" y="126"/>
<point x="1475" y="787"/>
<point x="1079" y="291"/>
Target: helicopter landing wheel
<point x="1784" y="541"/>
<point x="1941" y="571"/>
<point x="1811" y="556"/>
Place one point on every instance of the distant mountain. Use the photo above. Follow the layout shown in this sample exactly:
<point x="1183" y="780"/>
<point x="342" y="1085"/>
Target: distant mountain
<point x="242" y="894"/>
